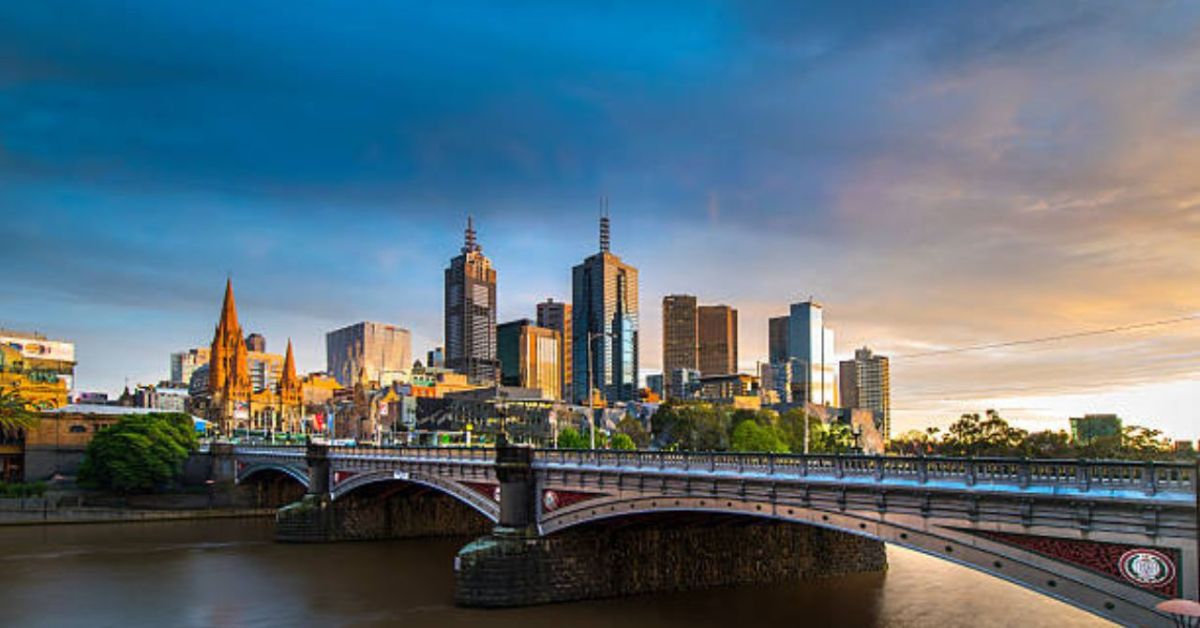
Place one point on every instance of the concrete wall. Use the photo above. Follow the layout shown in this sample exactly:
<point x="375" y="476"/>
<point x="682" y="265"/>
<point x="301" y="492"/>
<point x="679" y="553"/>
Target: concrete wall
<point x="660" y="555"/>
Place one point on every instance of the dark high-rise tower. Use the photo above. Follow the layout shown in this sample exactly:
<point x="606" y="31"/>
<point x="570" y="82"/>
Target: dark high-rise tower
<point x="605" y="320"/>
<point x="717" y="339"/>
<point x="471" y="312"/>
<point x="680" y="330"/>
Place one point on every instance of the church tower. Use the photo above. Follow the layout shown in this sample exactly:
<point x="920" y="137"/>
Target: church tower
<point x="228" y="371"/>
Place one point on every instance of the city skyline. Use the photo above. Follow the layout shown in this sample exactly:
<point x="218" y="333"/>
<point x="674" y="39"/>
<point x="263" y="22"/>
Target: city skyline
<point x="981" y="183"/>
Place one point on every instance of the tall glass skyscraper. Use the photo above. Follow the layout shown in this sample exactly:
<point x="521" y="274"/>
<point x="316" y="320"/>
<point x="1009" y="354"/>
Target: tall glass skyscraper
<point x="811" y="343"/>
<point x="604" y="315"/>
<point x="471" y="312"/>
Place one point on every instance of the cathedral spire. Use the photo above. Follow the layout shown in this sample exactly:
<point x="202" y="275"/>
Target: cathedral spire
<point x="289" y="364"/>
<point x="229" y="320"/>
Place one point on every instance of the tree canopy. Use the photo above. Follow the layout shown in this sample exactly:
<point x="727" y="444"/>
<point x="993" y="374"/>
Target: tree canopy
<point x="139" y="454"/>
<point x="15" y="414"/>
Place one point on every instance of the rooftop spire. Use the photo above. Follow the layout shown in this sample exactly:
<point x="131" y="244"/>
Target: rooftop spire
<point x="604" y="228"/>
<point x="229" y="309"/>
<point x="469" y="244"/>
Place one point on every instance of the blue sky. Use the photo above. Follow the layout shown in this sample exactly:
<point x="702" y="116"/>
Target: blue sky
<point x="938" y="174"/>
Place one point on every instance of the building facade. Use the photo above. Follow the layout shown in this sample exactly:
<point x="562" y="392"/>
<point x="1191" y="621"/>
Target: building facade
<point x="680" y="336"/>
<point x="554" y="315"/>
<point x="470" y="312"/>
<point x="810" y="342"/>
<point x="385" y="351"/>
<point x="717" y="339"/>
<point x="529" y="357"/>
<point x="185" y="363"/>
<point x="604" y="325"/>
<point x="256" y="342"/>
<point x="865" y="382"/>
<point x="777" y="339"/>
<point x="42" y="359"/>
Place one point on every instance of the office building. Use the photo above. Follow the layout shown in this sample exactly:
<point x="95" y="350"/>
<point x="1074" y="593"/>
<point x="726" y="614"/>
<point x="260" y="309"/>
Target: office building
<point x="717" y="340"/>
<point x="470" y="312"/>
<point x="185" y="363"/>
<point x="777" y="338"/>
<point x="529" y="357"/>
<point x="810" y="342"/>
<point x="604" y="325"/>
<point x="1088" y="428"/>
<point x="41" y="357"/>
<point x="385" y="351"/>
<point x="685" y="383"/>
<point x="680" y="335"/>
<point x="554" y="315"/>
<point x="865" y="382"/>
<point x="256" y="342"/>
<point x="656" y="383"/>
<point x="435" y="358"/>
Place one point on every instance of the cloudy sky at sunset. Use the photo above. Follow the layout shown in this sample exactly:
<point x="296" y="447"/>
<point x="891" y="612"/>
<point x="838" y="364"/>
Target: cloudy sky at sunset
<point x="939" y="175"/>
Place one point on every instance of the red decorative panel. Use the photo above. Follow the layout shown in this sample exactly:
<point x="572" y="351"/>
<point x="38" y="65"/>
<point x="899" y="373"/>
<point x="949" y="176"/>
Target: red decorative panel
<point x="342" y="476"/>
<point x="1153" y="569"/>
<point x="555" y="500"/>
<point x="490" y="491"/>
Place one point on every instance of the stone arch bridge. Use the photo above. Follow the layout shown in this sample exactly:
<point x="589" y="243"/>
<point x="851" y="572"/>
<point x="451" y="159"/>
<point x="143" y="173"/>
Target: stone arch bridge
<point x="1112" y="537"/>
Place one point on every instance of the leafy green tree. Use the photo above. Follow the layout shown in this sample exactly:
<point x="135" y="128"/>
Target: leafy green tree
<point x="990" y="435"/>
<point x="15" y="414"/>
<point x="637" y="433"/>
<point x="570" y="438"/>
<point x="139" y="454"/>
<point x="832" y="438"/>
<point x="621" y="440"/>
<point x="1047" y="444"/>
<point x="693" y="426"/>
<point x="750" y="436"/>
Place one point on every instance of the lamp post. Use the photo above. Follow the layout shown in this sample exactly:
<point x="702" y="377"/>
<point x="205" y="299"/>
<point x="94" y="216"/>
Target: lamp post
<point x="592" y="336"/>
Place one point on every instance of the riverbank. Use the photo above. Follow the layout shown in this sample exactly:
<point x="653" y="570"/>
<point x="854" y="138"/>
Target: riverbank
<point x="79" y="515"/>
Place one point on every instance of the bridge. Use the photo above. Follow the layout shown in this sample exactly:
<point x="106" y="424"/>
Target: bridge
<point x="1111" y="537"/>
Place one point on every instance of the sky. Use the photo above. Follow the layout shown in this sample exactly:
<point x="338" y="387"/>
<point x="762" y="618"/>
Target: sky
<point x="938" y="174"/>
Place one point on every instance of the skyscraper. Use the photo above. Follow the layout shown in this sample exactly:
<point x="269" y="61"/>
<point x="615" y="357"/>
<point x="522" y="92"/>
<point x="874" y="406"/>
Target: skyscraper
<point x="557" y="316"/>
<point x="256" y="342"/>
<point x="777" y="332"/>
<point x="529" y="357"/>
<point x="866" y="383"/>
<point x="604" y="319"/>
<point x="680" y="336"/>
<point x="717" y="340"/>
<point x="810" y="342"/>
<point x="385" y="351"/>
<point x="471" y="312"/>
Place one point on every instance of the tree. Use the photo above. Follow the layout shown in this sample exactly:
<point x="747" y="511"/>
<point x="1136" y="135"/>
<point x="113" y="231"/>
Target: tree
<point x="637" y="433"/>
<point x="15" y="414"/>
<point x="832" y="438"/>
<point x="987" y="436"/>
<point x="1048" y="444"/>
<point x="692" y="427"/>
<point x="750" y="436"/>
<point x="570" y="438"/>
<point x="139" y="454"/>
<point x="621" y="440"/>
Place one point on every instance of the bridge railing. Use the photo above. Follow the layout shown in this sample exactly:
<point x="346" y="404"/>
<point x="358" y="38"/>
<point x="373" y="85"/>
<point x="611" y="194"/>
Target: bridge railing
<point x="465" y="454"/>
<point x="1021" y="473"/>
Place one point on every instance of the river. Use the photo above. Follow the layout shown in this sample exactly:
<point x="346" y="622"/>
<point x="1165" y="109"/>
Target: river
<point x="230" y="573"/>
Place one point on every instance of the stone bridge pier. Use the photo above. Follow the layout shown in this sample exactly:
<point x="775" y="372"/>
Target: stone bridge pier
<point x="515" y="565"/>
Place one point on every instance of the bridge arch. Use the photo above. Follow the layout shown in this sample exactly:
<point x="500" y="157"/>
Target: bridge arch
<point x="1077" y="587"/>
<point x="488" y="508"/>
<point x="258" y="469"/>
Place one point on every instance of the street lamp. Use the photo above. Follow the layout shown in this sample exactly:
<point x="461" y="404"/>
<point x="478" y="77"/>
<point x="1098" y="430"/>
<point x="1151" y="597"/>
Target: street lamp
<point x="592" y="336"/>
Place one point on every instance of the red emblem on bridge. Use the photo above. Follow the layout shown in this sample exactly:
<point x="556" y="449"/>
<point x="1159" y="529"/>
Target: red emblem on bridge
<point x="342" y="476"/>
<point x="553" y="500"/>
<point x="1147" y="567"/>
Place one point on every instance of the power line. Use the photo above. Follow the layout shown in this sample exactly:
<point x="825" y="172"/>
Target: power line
<point x="1030" y="341"/>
